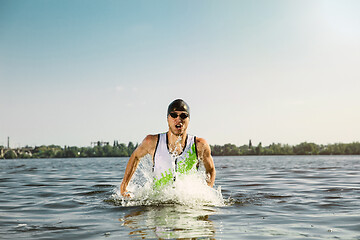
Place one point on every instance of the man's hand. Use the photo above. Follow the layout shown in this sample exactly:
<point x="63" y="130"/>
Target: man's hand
<point x="124" y="191"/>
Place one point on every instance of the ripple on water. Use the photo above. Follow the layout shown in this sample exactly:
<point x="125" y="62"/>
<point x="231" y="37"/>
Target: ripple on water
<point x="23" y="227"/>
<point x="26" y="170"/>
<point x="91" y="193"/>
<point x="65" y="204"/>
<point x="103" y="186"/>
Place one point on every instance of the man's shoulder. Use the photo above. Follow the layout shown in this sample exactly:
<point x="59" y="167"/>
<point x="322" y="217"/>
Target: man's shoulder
<point x="202" y="146"/>
<point x="148" y="144"/>
<point x="201" y="142"/>
<point x="151" y="138"/>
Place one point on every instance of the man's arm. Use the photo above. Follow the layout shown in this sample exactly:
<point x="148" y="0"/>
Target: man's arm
<point x="204" y="152"/>
<point x="147" y="146"/>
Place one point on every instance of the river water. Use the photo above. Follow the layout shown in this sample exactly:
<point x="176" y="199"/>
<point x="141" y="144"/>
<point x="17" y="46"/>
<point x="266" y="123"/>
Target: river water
<point x="266" y="197"/>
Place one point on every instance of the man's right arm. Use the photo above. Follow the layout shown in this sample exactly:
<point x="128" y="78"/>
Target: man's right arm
<point x="147" y="146"/>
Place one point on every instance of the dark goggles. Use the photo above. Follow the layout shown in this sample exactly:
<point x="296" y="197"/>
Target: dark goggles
<point x="182" y="115"/>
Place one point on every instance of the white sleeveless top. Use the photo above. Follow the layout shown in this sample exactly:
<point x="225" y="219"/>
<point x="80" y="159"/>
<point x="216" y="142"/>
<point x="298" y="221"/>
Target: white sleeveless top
<point x="166" y="166"/>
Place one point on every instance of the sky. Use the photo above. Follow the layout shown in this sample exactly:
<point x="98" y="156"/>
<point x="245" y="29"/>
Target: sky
<point x="274" y="71"/>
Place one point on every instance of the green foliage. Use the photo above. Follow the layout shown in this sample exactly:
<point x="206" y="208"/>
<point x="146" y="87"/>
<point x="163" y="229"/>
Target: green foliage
<point x="53" y="151"/>
<point x="285" y="149"/>
<point x="46" y="151"/>
<point x="125" y="150"/>
<point x="10" y="155"/>
<point x="306" y="149"/>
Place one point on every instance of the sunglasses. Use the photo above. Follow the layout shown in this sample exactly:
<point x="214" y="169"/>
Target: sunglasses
<point x="182" y="115"/>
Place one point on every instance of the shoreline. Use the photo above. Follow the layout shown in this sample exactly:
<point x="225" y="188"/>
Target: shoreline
<point x="123" y="150"/>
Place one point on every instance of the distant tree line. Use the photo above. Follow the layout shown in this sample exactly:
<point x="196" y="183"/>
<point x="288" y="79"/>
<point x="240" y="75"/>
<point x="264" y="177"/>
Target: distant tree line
<point x="304" y="148"/>
<point x="54" y="151"/>
<point x="125" y="150"/>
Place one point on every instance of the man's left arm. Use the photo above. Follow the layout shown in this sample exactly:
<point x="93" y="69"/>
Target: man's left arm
<point x="205" y="156"/>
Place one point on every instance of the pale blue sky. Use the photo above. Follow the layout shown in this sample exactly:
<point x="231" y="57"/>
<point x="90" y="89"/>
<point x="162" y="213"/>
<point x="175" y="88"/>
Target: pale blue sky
<point x="73" y="72"/>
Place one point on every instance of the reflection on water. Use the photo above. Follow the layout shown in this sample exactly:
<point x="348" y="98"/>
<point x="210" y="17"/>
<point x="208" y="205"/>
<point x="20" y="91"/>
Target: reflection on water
<point x="170" y="221"/>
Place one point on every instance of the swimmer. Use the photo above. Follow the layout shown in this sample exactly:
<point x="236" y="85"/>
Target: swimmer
<point x="173" y="152"/>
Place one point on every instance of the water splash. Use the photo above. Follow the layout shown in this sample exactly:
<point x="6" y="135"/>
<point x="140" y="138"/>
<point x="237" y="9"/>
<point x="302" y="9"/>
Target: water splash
<point x="190" y="189"/>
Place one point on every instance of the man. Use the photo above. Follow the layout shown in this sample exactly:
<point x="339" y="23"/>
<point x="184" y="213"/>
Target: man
<point x="174" y="152"/>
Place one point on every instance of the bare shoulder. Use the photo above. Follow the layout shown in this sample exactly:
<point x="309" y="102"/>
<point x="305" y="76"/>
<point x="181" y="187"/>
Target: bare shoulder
<point x="202" y="146"/>
<point x="201" y="142"/>
<point x="148" y="145"/>
<point x="150" y="139"/>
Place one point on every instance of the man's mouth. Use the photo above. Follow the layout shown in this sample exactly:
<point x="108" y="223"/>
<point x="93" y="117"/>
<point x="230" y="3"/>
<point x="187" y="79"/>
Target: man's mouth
<point x="178" y="126"/>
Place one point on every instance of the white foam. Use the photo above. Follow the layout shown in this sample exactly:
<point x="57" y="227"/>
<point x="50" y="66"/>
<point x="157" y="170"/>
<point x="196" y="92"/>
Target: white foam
<point x="191" y="189"/>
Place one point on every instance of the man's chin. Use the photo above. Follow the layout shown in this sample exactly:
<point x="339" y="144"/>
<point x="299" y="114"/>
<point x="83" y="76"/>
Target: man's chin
<point x="178" y="132"/>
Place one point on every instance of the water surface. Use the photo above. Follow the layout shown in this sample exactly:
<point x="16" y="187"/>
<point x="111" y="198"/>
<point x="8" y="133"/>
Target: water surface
<point x="288" y="197"/>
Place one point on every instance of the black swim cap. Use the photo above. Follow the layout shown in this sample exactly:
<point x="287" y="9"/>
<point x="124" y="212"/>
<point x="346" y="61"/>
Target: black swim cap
<point x="178" y="105"/>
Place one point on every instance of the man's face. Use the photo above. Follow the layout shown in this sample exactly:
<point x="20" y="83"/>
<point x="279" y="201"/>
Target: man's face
<point x="178" y="122"/>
